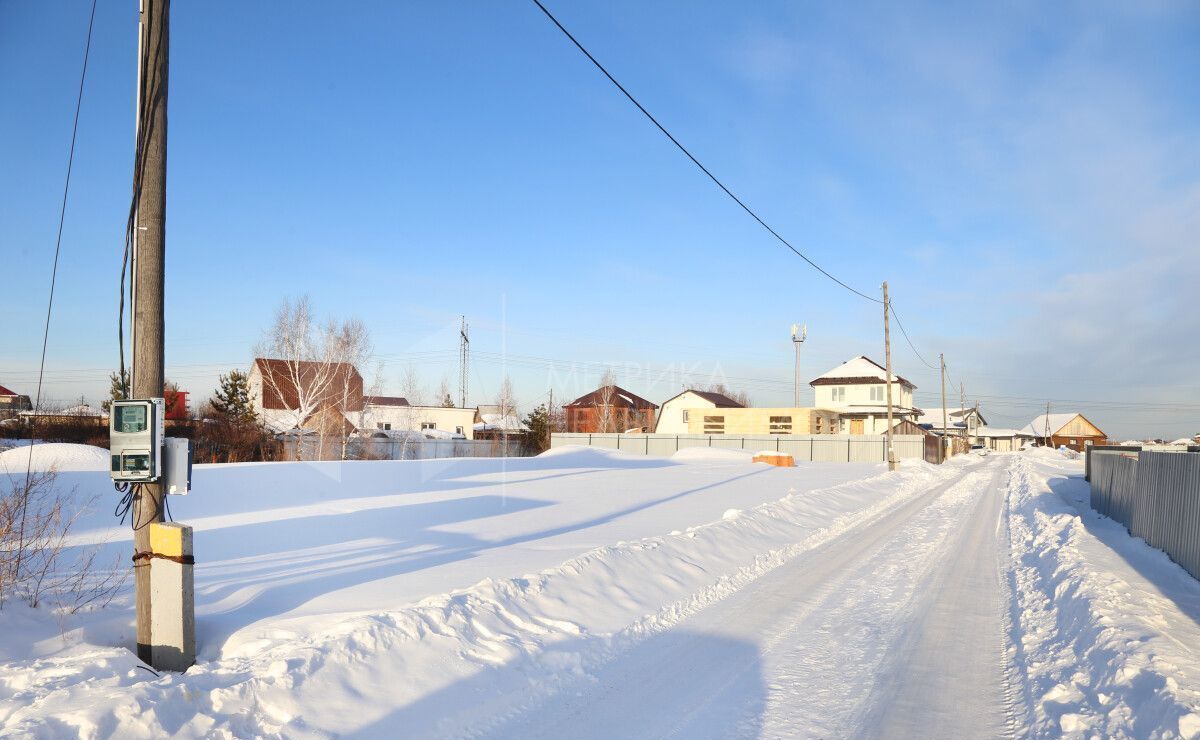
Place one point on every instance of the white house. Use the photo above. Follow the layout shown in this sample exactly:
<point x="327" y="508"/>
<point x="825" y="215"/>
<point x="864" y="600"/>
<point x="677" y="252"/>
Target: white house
<point x="999" y="439"/>
<point x="393" y="413"/>
<point x="857" y="390"/>
<point x="958" y="422"/>
<point x="674" y="414"/>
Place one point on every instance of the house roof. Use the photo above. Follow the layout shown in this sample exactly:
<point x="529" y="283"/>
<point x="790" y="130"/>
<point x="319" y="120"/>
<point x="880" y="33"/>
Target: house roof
<point x="621" y="398"/>
<point x="719" y="400"/>
<point x="954" y="417"/>
<point x="6" y="392"/>
<point x="1055" y="423"/>
<point x="858" y="371"/>
<point x="500" y="423"/>
<point x="80" y="410"/>
<point x="282" y="393"/>
<point x="997" y="432"/>
<point x="385" y="400"/>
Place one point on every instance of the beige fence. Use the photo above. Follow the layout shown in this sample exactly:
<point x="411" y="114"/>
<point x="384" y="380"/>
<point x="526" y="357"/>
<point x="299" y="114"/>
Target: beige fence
<point x="813" y="447"/>
<point x="1156" y="495"/>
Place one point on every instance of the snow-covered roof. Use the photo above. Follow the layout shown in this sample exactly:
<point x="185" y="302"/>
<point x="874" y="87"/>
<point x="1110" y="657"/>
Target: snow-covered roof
<point x="718" y="400"/>
<point x="954" y="417"/>
<point x="500" y="423"/>
<point x="81" y="410"/>
<point x="1183" y="441"/>
<point x="279" y="420"/>
<point x="996" y="432"/>
<point x="861" y="369"/>
<point x="1054" y="422"/>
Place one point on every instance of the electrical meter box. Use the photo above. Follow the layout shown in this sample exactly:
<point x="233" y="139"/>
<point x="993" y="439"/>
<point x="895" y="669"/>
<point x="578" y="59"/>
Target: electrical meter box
<point x="135" y="439"/>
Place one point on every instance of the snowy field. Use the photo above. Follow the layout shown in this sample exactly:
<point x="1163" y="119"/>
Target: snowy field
<point x="584" y="593"/>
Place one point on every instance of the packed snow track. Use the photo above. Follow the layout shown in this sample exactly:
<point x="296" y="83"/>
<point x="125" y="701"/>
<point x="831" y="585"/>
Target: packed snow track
<point x="894" y="629"/>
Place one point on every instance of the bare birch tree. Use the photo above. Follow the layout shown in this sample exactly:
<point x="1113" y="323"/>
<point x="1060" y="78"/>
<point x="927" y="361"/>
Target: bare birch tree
<point x="311" y="366"/>
<point x="606" y="397"/>
<point x="506" y="406"/>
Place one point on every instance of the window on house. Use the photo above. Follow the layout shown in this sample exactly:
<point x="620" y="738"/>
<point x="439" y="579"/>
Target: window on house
<point x="458" y="430"/>
<point x="428" y="425"/>
<point x="839" y="394"/>
<point x="714" y="425"/>
<point x="819" y="420"/>
<point x="781" y="425"/>
<point x="685" y="416"/>
<point x="383" y="425"/>
<point x="878" y="393"/>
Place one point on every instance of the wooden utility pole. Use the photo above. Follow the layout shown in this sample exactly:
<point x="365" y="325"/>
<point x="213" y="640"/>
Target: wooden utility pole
<point x="887" y="349"/>
<point x="945" y="421"/>
<point x="150" y="181"/>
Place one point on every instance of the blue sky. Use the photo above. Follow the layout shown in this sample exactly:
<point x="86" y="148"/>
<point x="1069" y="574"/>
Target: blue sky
<point x="1025" y="177"/>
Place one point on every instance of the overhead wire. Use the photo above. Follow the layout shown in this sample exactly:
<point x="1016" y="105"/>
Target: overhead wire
<point x="903" y="331"/>
<point x="62" y="218"/>
<point x="696" y="161"/>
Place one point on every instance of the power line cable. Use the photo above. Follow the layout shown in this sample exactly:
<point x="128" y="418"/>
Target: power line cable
<point x="62" y="217"/>
<point x="695" y="161"/>
<point x="911" y="346"/>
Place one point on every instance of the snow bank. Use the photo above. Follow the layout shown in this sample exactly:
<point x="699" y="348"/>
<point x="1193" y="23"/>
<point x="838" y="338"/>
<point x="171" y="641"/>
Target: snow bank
<point x="1106" y="629"/>
<point x="56" y="455"/>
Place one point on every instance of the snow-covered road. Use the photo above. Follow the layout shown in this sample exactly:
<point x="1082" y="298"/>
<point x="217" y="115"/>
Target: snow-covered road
<point x="894" y="628"/>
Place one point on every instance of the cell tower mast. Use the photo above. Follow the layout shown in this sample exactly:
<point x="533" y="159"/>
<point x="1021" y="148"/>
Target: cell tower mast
<point x="464" y="357"/>
<point x="799" y="334"/>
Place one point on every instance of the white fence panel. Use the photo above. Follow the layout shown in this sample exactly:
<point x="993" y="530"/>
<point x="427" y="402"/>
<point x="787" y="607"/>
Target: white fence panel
<point x="812" y="447"/>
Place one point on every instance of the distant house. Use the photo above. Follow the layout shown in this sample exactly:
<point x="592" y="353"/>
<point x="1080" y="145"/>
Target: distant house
<point x="1067" y="429"/>
<point x="1000" y="439"/>
<point x="673" y="416"/>
<point x="493" y="422"/>
<point x="609" y="409"/>
<point x="857" y="391"/>
<point x="396" y="414"/>
<point x="12" y="403"/>
<point x="763" y="421"/>
<point x="958" y="422"/>
<point x="176" y="405"/>
<point x="288" y="394"/>
<point x="80" y="414"/>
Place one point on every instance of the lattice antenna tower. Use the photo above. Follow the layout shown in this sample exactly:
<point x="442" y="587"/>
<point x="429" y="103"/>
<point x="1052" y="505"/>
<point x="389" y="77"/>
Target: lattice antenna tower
<point x="464" y="358"/>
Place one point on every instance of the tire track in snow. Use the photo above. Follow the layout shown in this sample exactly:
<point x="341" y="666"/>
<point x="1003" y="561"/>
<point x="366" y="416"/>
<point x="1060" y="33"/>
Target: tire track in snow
<point x="815" y="593"/>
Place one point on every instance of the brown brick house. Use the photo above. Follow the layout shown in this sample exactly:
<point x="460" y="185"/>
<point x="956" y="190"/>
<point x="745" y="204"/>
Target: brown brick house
<point x="609" y="409"/>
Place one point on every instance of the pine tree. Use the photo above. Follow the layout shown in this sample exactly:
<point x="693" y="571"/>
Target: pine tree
<point x="232" y="398"/>
<point x="538" y="422"/>
<point x="116" y="389"/>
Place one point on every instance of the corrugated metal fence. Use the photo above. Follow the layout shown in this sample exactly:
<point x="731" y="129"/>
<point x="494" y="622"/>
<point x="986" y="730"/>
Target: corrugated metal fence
<point x="1156" y="495"/>
<point x="814" y="447"/>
